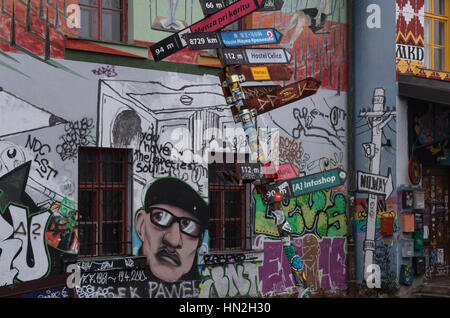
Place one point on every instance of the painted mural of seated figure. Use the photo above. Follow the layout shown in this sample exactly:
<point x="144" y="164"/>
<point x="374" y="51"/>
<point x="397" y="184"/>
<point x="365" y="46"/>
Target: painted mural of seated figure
<point x="314" y="18"/>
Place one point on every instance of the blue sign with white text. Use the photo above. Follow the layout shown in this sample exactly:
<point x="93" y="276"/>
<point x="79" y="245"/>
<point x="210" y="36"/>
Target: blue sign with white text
<point x="250" y="37"/>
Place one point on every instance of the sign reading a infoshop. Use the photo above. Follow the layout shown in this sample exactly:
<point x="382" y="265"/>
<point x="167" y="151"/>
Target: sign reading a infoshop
<point x="317" y="182"/>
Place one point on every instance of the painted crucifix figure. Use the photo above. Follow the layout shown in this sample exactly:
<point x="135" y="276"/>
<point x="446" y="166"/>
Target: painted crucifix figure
<point x="171" y="22"/>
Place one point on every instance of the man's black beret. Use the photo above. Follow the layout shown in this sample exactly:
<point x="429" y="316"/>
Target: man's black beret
<point x="172" y="191"/>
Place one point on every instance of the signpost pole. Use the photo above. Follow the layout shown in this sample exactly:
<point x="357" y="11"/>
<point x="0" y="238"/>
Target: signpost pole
<point x="247" y="118"/>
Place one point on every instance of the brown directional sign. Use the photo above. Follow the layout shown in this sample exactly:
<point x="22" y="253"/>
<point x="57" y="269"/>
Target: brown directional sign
<point x="271" y="72"/>
<point x="249" y="91"/>
<point x="214" y="22"/>
<point x="283" y="96"/>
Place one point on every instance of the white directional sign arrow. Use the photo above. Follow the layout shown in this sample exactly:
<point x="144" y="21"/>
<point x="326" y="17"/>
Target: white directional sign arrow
<point x="376" y="184"/>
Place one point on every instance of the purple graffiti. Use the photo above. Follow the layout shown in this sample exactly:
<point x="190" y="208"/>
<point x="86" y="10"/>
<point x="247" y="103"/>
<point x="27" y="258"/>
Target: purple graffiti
<point x="324" y="261"/>
<point x="274" y="278"/>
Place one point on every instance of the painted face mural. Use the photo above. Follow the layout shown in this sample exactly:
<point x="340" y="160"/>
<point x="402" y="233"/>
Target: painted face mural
<point x="171" y="226"/>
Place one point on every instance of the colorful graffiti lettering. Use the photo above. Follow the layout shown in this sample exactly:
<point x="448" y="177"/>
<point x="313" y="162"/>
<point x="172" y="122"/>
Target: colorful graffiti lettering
<point x="321" y="213"/>
<point x="324" y="264"/>
<point x="232" y="280"/>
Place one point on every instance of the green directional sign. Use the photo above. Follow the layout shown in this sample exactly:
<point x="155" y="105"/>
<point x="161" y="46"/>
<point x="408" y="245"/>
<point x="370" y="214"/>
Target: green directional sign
<point x="318" y="181"/>
<point x="291" y="188"/>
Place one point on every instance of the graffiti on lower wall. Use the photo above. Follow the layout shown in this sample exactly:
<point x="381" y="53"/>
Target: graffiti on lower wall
<point x="128" y="277"/>
<point x="324" y="261"/>
<point x="231" y="280"/>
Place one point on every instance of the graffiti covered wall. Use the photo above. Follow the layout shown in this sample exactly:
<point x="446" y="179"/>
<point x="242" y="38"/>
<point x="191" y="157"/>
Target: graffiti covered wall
<point x="169" y="122"/>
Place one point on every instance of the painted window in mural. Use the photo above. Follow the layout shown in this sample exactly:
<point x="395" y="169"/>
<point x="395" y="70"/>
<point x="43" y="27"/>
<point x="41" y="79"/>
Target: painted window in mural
<point x="103" y="176"/>
<point x="103" y="20"/>
<point x="437" y="34"/>
<point x="227" y="208"/>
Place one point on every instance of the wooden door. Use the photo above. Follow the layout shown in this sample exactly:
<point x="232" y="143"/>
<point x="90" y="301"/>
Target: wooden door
<point x="435" y="183"/>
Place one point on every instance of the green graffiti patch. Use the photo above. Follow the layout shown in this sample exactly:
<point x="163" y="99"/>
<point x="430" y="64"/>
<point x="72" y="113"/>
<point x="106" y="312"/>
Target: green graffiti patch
<point x="319" y="213"/>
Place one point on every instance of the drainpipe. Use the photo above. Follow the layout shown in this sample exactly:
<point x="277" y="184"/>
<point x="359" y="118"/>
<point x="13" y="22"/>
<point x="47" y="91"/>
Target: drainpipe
<point x="351" y="255"/>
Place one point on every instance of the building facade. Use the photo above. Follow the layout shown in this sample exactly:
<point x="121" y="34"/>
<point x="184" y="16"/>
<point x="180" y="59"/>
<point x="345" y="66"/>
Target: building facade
<point x="103" y="150"/>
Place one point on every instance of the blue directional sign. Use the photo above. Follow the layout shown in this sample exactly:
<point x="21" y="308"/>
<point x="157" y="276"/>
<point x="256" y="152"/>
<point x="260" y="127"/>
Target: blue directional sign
<point x="215" y="40"/>
<point x="250" y="37"/>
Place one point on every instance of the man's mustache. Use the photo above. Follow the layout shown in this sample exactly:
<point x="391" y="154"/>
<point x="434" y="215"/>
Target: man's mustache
<point x="165" y="252"/>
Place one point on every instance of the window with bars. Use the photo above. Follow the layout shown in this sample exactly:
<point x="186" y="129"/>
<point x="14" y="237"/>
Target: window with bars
<point x="437" y="35"/>
<point x="227" y="203"/>
<point x="103" y="203"/>
<point x="104" y="20"/>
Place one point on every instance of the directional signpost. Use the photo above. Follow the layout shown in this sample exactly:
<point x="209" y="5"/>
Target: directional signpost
<point x="255" y="64"/>
<point x="215" y="40"/>
<point x="214" y="22"/>
<point x="212" y="6"/>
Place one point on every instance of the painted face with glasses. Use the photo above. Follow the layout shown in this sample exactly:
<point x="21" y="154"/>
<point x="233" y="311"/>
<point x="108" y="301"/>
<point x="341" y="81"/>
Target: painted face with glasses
<point x="170" y="236"/>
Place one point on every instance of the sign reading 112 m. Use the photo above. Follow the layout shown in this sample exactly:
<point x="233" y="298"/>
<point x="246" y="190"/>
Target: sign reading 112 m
<point x="255" y="56"/>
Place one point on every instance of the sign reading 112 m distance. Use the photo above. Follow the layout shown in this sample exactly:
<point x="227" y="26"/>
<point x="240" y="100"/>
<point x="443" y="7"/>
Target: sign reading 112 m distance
<point x="255" y="56"/>
<point x="214" y="22"/>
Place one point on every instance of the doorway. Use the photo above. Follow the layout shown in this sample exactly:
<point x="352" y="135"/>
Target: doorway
<point x="435" y="183"/>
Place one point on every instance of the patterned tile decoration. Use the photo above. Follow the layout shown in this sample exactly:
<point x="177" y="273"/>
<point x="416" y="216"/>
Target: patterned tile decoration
<point x="410" y="40"/>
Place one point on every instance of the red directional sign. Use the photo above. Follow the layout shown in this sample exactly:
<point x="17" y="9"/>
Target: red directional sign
<point x="280" y="97"/>
<point x="214" y="22"/>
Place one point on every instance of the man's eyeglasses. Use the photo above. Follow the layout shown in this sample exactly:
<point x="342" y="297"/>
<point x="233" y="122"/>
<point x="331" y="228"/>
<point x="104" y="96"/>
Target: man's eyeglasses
<point x="165" y="219"/>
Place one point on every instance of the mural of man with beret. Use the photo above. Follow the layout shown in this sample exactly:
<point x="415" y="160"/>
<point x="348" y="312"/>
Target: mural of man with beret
<point x="171" y="225"/>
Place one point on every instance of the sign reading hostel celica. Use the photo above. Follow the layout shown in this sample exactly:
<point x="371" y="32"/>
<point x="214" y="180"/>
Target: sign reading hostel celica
<point x="255" y="56"/>
<point x="214" y="22"/>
